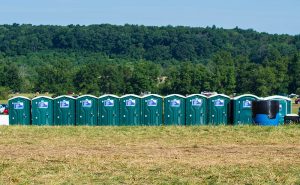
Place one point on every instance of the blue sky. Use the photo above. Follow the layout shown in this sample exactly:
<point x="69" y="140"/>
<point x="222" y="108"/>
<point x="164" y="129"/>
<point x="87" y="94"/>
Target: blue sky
<point x="272" y="16"/>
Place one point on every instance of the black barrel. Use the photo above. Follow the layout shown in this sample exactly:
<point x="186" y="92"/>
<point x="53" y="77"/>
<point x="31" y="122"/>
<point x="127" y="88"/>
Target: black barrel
<point x="265" y="112"/>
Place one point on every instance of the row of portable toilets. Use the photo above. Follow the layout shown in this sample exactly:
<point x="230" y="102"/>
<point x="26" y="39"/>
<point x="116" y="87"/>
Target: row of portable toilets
<point x="131" y="109"/>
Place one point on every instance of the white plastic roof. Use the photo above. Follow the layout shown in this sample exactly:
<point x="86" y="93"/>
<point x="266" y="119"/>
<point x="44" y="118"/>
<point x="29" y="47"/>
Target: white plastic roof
<point x="237" y="97"/>
<point x="175" y="95"/>
<point x="42" y="97"/>
<point x="277" y="97"/>
<point x="19" y="97"/>
<point x="159" y="96"/>
<point x="92" y="96"/>
<point x="64" y="96"/>
<point x="112" y="95"/>
<point x="197" y="95"/>
<point x="130" y="95"/>
<point x="219" y="95"/>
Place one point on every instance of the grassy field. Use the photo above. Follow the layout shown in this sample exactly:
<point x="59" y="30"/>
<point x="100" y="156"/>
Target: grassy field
<point x="150" y="155"/>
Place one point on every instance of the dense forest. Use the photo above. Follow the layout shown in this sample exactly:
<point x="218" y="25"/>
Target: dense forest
<point x="105" y="58"/>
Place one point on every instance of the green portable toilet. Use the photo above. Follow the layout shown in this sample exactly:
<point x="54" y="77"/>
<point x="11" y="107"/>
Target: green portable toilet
<point x="152" y="110"/>
<point x="218" y="109"/>
<point x="285" y="106"/>
<point x="86" y="110"/>
<point x="242" y="109"/>
<point x="130" y="110"/>
<point x="19" y="110"/>
<point x="174" y="109"/>
<point x="109" y="110"/>
<point x="64" y="110"/>
<point x="196" y="109"/>
<point x="42" y="110"/>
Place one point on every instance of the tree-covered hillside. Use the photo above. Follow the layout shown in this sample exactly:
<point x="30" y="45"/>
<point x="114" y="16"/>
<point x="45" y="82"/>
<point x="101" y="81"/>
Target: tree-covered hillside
<point x="101" y="59"/>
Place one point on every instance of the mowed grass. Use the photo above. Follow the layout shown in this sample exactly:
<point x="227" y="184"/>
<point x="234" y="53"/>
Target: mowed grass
<point x="150" y="155"/>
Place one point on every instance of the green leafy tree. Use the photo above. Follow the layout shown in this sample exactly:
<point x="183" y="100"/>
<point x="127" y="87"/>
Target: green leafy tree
<point x="55" y="78"/>
<point x="10" y="77"/>
<point x="86" y="80"/>
<point x="145" y="78"/>
<point x="294" y="74"/>
<point x="187" y="78"/>
<point x="111" y="80"/>
<point x="224" y="77"/>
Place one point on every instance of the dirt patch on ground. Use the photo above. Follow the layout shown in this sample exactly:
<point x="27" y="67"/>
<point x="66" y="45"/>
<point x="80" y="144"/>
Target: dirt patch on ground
<point x="202" y="155"/>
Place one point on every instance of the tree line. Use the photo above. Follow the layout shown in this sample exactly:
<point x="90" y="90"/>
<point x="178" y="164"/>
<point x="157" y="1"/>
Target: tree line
<point x="100" y="59"/>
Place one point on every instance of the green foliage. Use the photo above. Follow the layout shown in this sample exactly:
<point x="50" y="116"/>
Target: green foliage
<point x="56" y="77"/>
<point x="187" y="78"/>
<point x="100" y="59"/>
<point x="223" y="71"/>
<point x="10" y="76"/>
<point x="4" y="93"/>
<point x="294" y="71"/>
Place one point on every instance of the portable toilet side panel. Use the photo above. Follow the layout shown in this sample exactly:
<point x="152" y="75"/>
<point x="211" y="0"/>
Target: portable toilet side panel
<point x="130" y="110"/>
<point x="218" y="109"/>
<point x="151" y="110"/>
<point x="109" y="110"/>
<point x="196" y="109"/>
<point x="42" y="110"/>
<point x="86" y="110"/>
<point x="242" y="109"/>
<point x="289" y="106"/>
<point x="174" y="110"/>
<point x="19" y="111"/>
<point x="284" y="106"/>
<point x="283" y="109"/>
<point x="64" y="110"/>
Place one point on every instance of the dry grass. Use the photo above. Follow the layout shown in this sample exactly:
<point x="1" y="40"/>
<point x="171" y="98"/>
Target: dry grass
<point x="150" y="155"/>
<point x="295" y="108"/>
<point x="3" y="101"/>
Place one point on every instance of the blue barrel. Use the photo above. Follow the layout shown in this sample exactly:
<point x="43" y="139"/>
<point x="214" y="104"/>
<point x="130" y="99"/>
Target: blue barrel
<point x="265" y="112"/>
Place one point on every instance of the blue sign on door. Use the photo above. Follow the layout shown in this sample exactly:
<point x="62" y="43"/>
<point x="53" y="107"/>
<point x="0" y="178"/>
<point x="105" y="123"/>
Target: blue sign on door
<point x="196" y="102"/>
<point x="152" y="103"/>
<point x="19" y="105"/>
<point x="109" y="103"/>
<point x="43" y="105"/>
<point x="130" y="103"/>
<point x="64" y="104"/>
<point x="86" y="103"/>
<point x="219" y="103"/>
<point x="175" y="103"/>
<point x="247" y="104"/>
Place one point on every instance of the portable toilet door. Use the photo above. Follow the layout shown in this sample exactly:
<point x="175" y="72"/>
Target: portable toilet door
<point x="151" y="110"/>
<point x="285" y="106"/>
<point x="218" y="109"/>
<point x="109" y="110"/>
<point x="130" y="110"/>
<point x="64" y="110"/>
<point x="19" y="110"/>
<point x="174" y="109"/>
<point x="86" y="110"/>
<point x="42" y="110"/>
<point x="242" y="109"/>
<point x="196" y="109"/>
